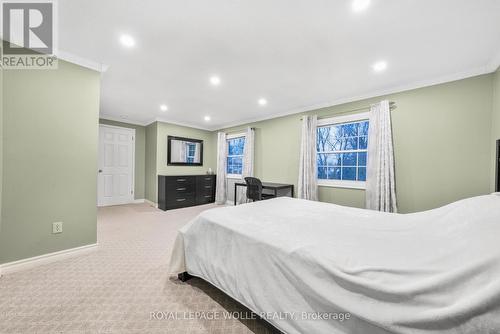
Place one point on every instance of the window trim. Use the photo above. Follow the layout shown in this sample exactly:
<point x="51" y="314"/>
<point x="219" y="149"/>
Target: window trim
<point x="235" y="135"/>
<point x="229" y="137"/>
<point x="342" y="184"/>
<point x="364" y="116"/>
<point x="335" y="121"/>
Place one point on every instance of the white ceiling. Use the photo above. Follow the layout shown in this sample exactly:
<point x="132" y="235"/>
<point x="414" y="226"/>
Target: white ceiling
<point x="298" y="54"/>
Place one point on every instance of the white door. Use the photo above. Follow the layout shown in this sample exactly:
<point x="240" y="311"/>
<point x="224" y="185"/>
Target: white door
<point x="115" y="180"/>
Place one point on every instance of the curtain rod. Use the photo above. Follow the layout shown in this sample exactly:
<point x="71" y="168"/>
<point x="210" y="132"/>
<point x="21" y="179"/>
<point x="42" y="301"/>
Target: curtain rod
<point x="392" y="106"/>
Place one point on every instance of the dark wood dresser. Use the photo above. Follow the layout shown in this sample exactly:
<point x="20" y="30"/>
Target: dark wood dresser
<point x="185" y="190"/>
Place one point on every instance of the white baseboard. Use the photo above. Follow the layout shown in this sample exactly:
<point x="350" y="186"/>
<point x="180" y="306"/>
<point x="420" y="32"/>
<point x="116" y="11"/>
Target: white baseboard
<point x="134" y="201"/>
<point x="151" y="203"/>
<point x="11" y="267"/>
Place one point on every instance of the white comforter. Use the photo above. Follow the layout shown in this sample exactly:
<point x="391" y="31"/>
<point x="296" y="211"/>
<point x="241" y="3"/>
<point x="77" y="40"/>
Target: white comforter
<point x="436" y="271"/>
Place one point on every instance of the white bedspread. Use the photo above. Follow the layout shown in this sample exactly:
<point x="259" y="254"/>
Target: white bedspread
<point x="436" y="271"/>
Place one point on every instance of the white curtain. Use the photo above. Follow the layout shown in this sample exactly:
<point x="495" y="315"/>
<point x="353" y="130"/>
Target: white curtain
<point x="183" y="149"/>
<point x="179" y="151"/>
<point x="220" y="190"/>
<point x="308" y="184"/>
<point x="197" y="152"/>
<point x="248" y="154"/>
<point x="380" y="177"/>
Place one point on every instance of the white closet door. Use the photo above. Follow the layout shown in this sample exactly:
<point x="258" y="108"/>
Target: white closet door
<point x="115" y="180"/>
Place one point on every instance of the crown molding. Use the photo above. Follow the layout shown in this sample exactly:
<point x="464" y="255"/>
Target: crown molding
<point x="377" y="93"/>
<point x="77" y="60"/>
<point x="157" y="119"/>
<point x="492" y="66"/>
<point x="185" y="124"/>
<point x="494" y="63"/>
<point x="121" y="120"/>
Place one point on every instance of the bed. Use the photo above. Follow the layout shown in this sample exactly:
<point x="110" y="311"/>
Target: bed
<point x="304" y="265"/>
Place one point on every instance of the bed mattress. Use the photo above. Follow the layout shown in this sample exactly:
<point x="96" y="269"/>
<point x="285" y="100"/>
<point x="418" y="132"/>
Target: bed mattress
<point x="303" y="265"/>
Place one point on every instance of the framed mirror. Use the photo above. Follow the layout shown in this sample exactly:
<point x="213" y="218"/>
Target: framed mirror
<point x="184" y="151"/>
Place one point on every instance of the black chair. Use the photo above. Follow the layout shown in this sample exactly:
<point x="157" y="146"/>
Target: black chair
<point x="254" y="189"/>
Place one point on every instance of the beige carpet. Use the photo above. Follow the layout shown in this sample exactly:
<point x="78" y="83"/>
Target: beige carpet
<point x="116" y="288"/>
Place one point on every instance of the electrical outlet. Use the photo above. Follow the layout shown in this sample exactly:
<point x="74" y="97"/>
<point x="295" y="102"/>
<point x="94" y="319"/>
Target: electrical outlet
<point x="57" y="227"/>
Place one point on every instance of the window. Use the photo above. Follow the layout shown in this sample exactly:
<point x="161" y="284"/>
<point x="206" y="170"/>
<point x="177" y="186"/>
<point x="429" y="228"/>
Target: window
<point x="191" y="152"/>
<point x="235" y="148"/>
<point x="342" y="144"/>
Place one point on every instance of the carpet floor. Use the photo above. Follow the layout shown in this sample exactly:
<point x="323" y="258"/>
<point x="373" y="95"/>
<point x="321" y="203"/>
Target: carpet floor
<point x="122" y="287"/>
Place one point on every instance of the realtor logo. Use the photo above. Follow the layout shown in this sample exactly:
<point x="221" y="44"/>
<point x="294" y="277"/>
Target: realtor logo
<point x="28" y="34"/>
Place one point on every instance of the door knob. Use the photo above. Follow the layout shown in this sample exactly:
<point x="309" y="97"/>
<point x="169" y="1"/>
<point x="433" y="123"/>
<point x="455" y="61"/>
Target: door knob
<point x="100" y="170"/>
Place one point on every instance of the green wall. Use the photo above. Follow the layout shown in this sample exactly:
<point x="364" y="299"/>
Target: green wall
<point x="156" y="153"/>
<point x="441" y="138"/>
<point x="1" y="145"/>
<point x="151" y="148"/>
<point x="495" y="125"/>
<point x="140" y="155"/>
<point x="50" y="133"/>
<point x="209" y="149"/>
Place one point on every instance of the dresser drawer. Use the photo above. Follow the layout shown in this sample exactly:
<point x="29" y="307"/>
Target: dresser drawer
<point x="182" y="191"/>
<point x="205" y="184"/>
<point x="180" y="200"/>
<point x="204" y="198"/>
<point x="181" y="181"/>
<point x="206" y="179"/>
<point x="205" y="188"/>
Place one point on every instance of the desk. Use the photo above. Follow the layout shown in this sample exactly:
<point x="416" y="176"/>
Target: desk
<point x="265" y="185"/>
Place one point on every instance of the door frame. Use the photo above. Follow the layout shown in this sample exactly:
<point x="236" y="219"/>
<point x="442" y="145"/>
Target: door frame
<point x="132" y="131"/>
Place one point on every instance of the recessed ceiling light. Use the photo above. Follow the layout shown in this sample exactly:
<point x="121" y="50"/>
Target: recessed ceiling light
<point x="163" y="107"/>
<point x="380" y="66"/>
<point x="207" y="118"/>
<point x="215" y="80"/>
<point x="360" y="5"/>
<point x="262" y="101"/>
<point x="127" y="40"/>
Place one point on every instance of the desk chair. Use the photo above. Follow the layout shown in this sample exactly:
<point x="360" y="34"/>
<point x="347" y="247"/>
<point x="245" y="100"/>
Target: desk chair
<point x="254" y="189"/>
